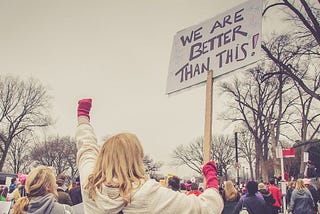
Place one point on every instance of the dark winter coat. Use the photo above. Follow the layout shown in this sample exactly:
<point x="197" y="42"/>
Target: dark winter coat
<point x="75" y="194"/>
<point x="289" y="193"/>
<point x="253" y="204"/>
<point x="64" y="197"/>
<point x="229" y="206"/>
<point x="268" y="198"/>
<point x="301" y="202"/>
<point x="315" y="195"/>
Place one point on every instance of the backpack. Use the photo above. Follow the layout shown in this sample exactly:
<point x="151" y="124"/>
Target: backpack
<point x="243" y="210"/>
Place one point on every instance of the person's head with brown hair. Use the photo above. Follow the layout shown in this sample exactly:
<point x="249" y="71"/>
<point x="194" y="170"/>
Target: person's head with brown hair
<point x="119" y="164"/>
<point x="62" y="177"/>
<point x="174" y="183"/>
<point x="292" y="184"/>
<point x="40" y="182"/>
<point x="230" y="191"/>
<point x="4" y="192"/>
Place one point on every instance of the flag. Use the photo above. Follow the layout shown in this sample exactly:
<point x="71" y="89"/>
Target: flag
<point x="288" y="153"/>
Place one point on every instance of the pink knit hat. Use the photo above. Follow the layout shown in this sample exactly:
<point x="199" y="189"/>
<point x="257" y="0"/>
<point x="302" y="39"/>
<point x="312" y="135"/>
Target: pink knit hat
<point x="22" y="178"/>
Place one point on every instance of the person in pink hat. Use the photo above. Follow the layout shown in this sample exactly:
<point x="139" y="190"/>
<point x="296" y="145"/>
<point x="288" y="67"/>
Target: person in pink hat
<point x="313" y="191"/>
<point x="20" y="190"/>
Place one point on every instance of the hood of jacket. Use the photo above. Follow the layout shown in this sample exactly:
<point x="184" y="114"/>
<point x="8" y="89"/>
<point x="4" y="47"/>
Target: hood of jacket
<point x="42" y="204"/>
<point x="301" y="192"/>
<point x="109" y="199"/>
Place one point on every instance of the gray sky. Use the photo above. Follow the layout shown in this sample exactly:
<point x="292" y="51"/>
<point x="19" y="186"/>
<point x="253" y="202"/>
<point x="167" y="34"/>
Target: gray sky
<point x="116" y="52"/>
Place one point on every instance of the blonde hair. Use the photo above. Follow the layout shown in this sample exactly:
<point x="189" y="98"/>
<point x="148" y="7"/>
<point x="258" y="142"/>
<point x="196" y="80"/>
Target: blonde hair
<point x="40" y="181"/>
<point x="230" y="191"/>
<point x="300" y="185"/>
<point x="119" y="164"/>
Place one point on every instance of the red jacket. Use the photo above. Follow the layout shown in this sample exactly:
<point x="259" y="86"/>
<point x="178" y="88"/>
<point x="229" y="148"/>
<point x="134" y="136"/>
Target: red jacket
<point x="276" y="193"/>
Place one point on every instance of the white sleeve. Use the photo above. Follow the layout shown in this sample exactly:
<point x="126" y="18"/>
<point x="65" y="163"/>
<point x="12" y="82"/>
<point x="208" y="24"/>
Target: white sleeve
<point x="209" y="202"/>
<point x="87" y="148"/>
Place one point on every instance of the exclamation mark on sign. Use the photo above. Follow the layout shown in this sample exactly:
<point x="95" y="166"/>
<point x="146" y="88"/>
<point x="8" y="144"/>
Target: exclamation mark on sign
<point x="255" y="39"/>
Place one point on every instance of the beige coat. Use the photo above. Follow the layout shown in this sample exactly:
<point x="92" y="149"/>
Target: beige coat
<point x="151" y="197"/>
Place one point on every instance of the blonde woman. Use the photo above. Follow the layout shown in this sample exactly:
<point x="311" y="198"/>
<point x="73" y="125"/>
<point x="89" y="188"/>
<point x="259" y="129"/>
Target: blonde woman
<point x="301" y="201"/>
<point x="113" y="177"/>
<point x="230" y="197"/>
<point x="41" y="189"/>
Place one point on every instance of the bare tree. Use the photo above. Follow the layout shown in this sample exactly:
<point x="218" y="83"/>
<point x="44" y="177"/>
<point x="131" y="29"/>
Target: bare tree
<point x="18" y="159"/>
<point x="305" y="16"/>
<point x="190" y="155"/>
<point x="257" y="103"/>
<point x="308" y="125"/>
<point x="222" y="151"/>
<point x="246" y="148"/>
<point x="58" y="152"/>
<point x="151" y="166"/>
<point x="24" y="106"/>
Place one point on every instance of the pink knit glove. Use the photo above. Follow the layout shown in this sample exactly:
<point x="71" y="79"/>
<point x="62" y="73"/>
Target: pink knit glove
<point x="84" y="107"/>
<point x="210" y="172"/>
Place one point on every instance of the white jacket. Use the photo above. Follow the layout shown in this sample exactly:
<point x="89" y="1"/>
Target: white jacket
<point x="151" y="197"/>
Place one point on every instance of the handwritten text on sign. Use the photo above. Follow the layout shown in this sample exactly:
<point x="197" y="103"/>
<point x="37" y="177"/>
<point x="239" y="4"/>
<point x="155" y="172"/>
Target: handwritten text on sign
<point x="222" y="44"/>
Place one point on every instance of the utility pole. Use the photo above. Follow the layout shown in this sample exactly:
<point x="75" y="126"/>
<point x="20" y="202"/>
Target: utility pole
<point x="237" y="158"/>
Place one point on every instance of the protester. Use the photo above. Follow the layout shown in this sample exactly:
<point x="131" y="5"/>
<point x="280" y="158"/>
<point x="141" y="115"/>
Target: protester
<point x="267" y="196"/>
<point x="113" y="177"/>
<point x="251" y="202"/>
<point x="188" y="185"/>
<point x="13" y="185"/>
<point x="276" y="193"/>
<point x="243" y="189"/>
<point x="194" y="189"/>
<point x="63" y="178"/>
<point x="183" y="188"/>
<point x="230" y="197"/>
<point x="20" y="189"/>
<point x="313" y="191"/>
<point x="41" y="189"/>
<point x="63" y="196"/>
<point x="174" y="183"/>
<point x="4" y="193"/>
<point x="311" y="170"/>
<point x="291" y="186"/>
<point x="301" y="199"/>
<point x="75" y="192"/>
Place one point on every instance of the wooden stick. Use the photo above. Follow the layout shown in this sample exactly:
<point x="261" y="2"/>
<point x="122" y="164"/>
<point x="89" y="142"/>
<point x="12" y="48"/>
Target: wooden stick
<point x="208" y="119"/>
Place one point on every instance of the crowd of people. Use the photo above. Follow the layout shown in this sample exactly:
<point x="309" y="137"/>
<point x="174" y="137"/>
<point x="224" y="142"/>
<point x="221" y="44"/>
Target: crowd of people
<point x="302" y="196"/>
<point x="113" y="180"/>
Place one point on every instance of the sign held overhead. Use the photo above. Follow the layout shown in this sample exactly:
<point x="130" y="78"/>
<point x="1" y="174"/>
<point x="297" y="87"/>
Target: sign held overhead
<point x="224" y="43"/>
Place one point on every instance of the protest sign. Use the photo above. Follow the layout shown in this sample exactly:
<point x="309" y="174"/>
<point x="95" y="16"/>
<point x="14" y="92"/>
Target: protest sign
<point x="5" y="207"/>
<point x="223" y="44"/>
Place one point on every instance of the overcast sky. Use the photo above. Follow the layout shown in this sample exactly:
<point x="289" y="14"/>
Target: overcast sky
<point x="116" y="52"/>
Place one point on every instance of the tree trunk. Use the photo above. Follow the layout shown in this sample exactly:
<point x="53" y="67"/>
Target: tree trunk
<point x="4" y="156"/>
<point x="258" y="160"/>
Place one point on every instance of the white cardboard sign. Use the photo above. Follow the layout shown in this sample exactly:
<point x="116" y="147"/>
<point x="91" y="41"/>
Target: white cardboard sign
<point x="223" y="44"/>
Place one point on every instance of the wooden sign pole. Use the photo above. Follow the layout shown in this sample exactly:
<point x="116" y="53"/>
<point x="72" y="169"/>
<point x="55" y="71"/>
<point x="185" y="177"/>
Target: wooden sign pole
<point x="208" y="119"/>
